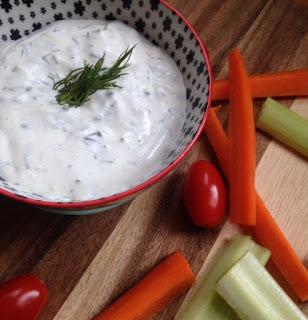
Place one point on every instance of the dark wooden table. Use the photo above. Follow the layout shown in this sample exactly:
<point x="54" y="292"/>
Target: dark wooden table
<point x="127" y="241"/>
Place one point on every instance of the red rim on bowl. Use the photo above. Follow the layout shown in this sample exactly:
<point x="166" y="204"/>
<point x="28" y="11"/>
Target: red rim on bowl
<point x="112" y="199"/>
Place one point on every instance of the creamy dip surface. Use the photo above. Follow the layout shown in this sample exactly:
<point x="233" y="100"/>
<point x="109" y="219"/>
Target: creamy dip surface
<point x="113" y="142"/>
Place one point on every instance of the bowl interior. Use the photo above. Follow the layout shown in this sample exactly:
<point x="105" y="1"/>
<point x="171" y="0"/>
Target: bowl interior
<point x="153" y="18"/>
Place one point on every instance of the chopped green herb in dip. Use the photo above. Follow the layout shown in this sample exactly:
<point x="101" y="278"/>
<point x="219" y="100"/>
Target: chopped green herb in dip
<point x="76" y="88"/>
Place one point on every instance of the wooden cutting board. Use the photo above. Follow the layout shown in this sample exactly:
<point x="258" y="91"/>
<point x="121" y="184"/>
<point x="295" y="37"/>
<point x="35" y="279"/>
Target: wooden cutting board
<point x="88" y="261"/>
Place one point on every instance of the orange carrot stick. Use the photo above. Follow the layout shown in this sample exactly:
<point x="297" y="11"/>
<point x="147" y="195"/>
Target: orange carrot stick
<point x="242" y="151"/>
<point x="165" y="282"/>
<point x="218" y="139"/>
<point x="278" y="84"/>
<point x="217" y="108"/>
<point x="266" y="229"/>
<point x="285" y="258"/>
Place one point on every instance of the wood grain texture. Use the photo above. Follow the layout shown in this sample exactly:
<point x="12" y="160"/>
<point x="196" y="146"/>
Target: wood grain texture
<point x="88" y="261"/>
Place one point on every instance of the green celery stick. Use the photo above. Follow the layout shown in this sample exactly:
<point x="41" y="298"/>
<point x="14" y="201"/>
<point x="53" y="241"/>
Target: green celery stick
<point x="254" y="295"/>
<point x="284" y="125"/>
<point x="206" y="303"/>
<point x="262" y="254"/>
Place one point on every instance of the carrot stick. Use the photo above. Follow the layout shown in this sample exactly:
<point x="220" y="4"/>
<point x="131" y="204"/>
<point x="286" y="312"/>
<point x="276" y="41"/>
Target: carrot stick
<point x="285" y="258"/>
<point x="164" y="283"/>
<point x="218" y="138"/>
<point x="278" y="84"/>
<point x="242" y="151"/>
<point x="266" y="229"/>
<point x="217" y="108"/>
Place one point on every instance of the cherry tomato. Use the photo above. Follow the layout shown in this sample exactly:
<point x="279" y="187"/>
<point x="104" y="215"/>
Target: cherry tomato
<point x="22" y="298"/>
<point x="204" y="194"/>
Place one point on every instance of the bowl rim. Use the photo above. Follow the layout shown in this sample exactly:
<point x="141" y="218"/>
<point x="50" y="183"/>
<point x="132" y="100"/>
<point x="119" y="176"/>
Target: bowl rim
<point x="146" y="184"/>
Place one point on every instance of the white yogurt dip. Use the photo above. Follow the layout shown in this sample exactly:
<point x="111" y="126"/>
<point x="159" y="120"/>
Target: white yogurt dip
<point x="113" y="142"/>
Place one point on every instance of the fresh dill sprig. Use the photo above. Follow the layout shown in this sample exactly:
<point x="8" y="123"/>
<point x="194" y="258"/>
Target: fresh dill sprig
<point x="76" y="88"/>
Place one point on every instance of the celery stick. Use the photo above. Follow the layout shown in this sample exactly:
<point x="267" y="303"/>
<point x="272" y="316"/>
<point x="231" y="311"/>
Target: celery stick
<point x="285" y="125"/>
<point x="262" y="254"/>
<point x="206" y="302"/>
<point x="254" y="295"/>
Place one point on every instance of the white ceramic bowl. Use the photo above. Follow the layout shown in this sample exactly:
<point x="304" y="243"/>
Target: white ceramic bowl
<point x="156" y="20"/>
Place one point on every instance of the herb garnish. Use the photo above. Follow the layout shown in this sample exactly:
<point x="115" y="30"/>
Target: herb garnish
<point x="76" y="88"/>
